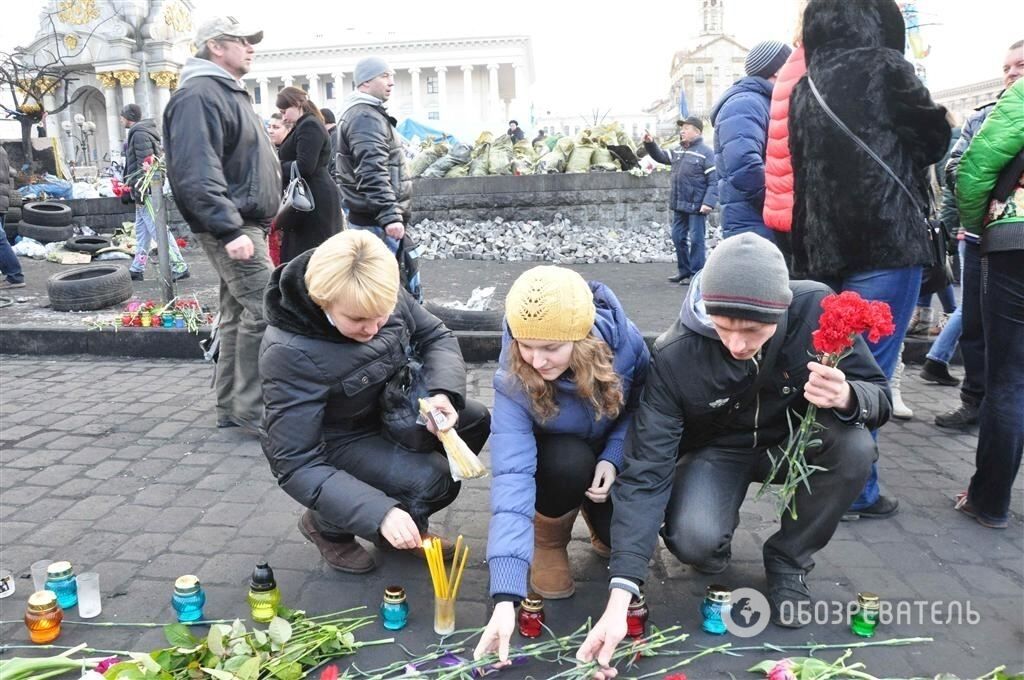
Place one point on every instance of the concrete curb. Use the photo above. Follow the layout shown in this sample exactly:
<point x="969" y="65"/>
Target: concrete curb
<point x="158" y="343"/>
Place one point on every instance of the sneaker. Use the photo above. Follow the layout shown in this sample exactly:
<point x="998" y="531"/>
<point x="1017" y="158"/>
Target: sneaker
<point x="961" y="418"/>
<point x="883" y="508"/>
<point x="345" y="555"/>
<point x="178" y="276"/>
<point x="787" y="596"/>
<point x="963" y="504"/>
<point x="938" y="372"/>
<point x="137" y="276"/>
<point x="8" y="285"/>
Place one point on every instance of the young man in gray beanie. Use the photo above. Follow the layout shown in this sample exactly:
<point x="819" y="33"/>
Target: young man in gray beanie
<point x="370" y="166"/>
<point x="724" y="381"/>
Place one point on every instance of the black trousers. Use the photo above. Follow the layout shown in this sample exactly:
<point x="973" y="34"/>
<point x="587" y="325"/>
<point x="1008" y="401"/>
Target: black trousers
<point x="711" y="483"/>
<point x="565" y="470"/>
<point x="421" y="482"/>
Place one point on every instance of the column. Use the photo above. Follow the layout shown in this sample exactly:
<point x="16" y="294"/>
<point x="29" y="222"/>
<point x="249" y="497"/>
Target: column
<point x="164" y="81"/>
<point x="287" y="80"/>
<point x="493" y="98"/>
<point x="442" y="91"/>
<point x="264" y="84"/>
<point x="127" y="80"/>
<point x="520" y="104"/>
<point x="414" y="73"/>
<point x="109" y="82"/>
<point x="470" y="111"/>
<point x="340" y="90"/>
<point x="314" y="89"/>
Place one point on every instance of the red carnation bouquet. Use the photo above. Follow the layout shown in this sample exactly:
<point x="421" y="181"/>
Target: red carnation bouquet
<point x="845" y="316"/>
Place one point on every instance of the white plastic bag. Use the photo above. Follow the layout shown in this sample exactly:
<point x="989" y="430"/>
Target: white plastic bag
<point x="29" y="247"/>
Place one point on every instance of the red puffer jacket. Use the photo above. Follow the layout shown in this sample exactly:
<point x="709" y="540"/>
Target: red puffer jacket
<point x="778" y="169"/>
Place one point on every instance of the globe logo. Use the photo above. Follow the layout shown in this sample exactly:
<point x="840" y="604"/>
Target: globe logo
<point x="749" y="614"/>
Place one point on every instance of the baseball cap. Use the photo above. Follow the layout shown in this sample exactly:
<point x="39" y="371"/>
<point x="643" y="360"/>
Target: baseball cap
<point x="228" y="26"/>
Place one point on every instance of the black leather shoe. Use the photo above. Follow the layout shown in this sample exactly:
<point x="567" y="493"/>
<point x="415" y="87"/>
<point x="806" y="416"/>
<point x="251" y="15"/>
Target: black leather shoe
<point x="938" y="372"/>
<point x="961" y="418"/>
<point x="677" y="278"/>
<point x="883" y="508"/>
<point x="137" y="276"/>
<point x="225" y="421"/>
<point x="788" y="597"/>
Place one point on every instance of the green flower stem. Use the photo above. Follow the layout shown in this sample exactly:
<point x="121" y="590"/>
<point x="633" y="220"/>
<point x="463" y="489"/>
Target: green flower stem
<point x="685" y="662"/>
<point x="70" y="650"/>
<point x="108" y="624"/>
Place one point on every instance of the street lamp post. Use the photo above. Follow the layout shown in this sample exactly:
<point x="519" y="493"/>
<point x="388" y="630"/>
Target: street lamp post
<point x="80" y="139"/>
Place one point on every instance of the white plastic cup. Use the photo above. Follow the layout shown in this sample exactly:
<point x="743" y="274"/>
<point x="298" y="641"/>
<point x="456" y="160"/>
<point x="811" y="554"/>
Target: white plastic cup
<point x="6" y="583"/>
<point x="89" y="595"/>
<point x="39" y="574"/>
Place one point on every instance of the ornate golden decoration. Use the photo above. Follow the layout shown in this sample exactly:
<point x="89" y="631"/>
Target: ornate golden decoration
<point x="178" y="18"/>
<point x="78" y="12"/>
<point x="126" y="78"/>
<point x="166" y="79"/>
<point x="30" y="108"/>
<point x="107" y="79"/>
<point x="71" y="42"/>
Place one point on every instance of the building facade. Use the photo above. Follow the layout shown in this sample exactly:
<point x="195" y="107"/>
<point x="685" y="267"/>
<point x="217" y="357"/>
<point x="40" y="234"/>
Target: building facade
<point x="460" y="85"/>
<point x="961" y="101"/>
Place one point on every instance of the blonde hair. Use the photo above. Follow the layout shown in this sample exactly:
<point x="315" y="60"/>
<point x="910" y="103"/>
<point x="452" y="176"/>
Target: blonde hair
<point x="356" y="270"/>
<point x="798" y="34"/>
<point x="593" y="373"/>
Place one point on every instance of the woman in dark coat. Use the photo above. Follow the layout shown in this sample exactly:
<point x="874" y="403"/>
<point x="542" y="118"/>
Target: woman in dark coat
<point x="339" y="330"/>
<point x="308" y="146"/>
<point x="854" y="227"/>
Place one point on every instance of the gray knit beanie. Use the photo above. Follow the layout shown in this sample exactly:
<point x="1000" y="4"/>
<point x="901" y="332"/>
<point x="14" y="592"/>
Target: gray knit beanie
<point x="766" y="58"/>
<point x="746" y="278"/>
<point x="369" y="68"/>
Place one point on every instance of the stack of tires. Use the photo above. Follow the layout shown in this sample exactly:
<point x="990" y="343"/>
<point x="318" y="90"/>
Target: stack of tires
<point x="46" y="221"/>
<point x="13" y="216"/>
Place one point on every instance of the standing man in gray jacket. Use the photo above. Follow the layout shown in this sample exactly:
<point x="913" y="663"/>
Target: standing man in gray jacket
<point x="227" y="184"/>
<point x="375" y="185"/>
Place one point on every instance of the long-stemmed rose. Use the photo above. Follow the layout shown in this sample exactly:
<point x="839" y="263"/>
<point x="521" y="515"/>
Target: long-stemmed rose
<point x="844" y="317"/>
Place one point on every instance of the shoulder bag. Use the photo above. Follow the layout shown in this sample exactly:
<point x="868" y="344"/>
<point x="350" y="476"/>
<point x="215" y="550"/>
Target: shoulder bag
<point x="297" y="196"/>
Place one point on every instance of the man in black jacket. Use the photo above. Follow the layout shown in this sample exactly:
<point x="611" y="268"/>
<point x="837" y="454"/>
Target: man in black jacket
<point x="370" y="165"/>
<point x="142" y="146"/>
<point x="227" y="184"/>
<point x="704" y="428"/>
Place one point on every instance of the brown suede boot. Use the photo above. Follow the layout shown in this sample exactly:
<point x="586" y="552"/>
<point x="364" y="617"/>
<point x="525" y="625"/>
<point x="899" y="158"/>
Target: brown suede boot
<point x="596" y="543"/>
<point x="550" y="576"/>
<point x="347" y="556"/>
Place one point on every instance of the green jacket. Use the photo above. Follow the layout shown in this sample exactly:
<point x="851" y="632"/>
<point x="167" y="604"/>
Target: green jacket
<point x="995" y="145"/>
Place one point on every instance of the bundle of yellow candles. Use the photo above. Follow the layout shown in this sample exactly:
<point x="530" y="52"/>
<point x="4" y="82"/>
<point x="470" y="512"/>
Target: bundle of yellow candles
<point x="446" y="583"/>
<point x="463" y="462"/>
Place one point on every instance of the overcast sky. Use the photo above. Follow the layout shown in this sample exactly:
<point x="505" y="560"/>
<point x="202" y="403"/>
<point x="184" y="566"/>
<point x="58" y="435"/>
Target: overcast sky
<point x="588" y="58"/>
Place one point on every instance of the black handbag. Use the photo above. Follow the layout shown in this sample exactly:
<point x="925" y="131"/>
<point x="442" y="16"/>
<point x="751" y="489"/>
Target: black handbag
<point x="933" y="228"/>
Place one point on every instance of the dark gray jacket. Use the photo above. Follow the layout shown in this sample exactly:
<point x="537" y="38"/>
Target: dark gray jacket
<point x="222" y="167"/>
<point x="370" y="166"/>
<point x="319" y="385"/>
<point x="143" y="141"/>
<point x="688" y="401"/>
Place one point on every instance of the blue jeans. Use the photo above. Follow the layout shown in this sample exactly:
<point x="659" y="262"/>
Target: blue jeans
<point x="1001" y="421"/>
<point x="688" y="238"/>
<point x="972" y="335"/>
<point x="899" y="288"/>
<point x="9" y="264"/>
<point x="944" y="347"/>
<point x="946" y="298"/>
<point x="145" y="233"/>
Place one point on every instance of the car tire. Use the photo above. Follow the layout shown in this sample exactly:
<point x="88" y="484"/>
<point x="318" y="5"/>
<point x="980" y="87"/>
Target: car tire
<point x="47" y="213"/>
<point x="88" y="288"/>
<point x="45" y="233"/>
<point x="467" y="319"/>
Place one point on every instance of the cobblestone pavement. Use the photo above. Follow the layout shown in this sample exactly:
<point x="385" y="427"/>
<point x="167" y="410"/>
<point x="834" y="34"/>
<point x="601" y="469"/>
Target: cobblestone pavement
<point x="117" y="466"/>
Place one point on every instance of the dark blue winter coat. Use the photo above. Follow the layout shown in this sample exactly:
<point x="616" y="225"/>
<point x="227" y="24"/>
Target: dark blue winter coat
<point x="741" y="134"/>
<point x="514" y="444"/>
<point x="694" y="179"/>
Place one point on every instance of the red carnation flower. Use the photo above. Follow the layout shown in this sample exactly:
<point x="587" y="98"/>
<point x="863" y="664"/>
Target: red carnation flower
<point x="844" y="317"/>
<point x="329" y="673"/>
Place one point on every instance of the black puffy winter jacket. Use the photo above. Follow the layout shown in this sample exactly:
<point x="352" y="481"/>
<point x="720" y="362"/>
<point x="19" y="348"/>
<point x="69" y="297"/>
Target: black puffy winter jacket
<point x="375" y="183"/>
<point x="143" y="141"/>
<point x="222" y="167"/>
<point x="319" y="384"/>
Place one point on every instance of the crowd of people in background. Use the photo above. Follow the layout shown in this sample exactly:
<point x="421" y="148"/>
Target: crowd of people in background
<point x="819" y="191"/>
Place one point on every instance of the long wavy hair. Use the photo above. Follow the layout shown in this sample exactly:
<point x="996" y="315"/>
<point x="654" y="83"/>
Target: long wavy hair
<point x="592" y="370"/>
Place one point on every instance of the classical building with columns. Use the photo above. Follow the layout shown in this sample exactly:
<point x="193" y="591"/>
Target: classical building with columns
<point x="461" y="85"/>
<point x="123" y="51"/>
<point x="962" y="100"/>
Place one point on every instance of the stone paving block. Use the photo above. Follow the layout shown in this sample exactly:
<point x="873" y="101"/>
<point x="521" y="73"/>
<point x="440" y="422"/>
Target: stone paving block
<point x="16" y="433"/>
<point x="145" y="546"/>
<point x="70" y="441"/>
<point x="41" y="511"/>
<point x="13" y="477"/>
<point x="207" y="460"/>
<point x="228" y="514"/>
<point x="183" y="474"/>
<point x="178" y="518"/>
<point x="93" y="507"/>
<point x="169" y="566"/>
<point x="131" y="518"/>
<point x="13" y="531"/>
<point x="90" y="455"/>
<point x="77" y="488"/>
<point x="158" y="495"/>
<point x="217" y="482"/>
<point x="203" y="540"/>
<point x="24" y="494"/>
<point x="132" y="451"/>
<point x="232" y="568"/>
<point x="269" y="524"/>
<point x="58" y="533"/>
<point x="200" y="498"/>
<point x="106" y="470"/>
<point x="34" y="458"/>
<point x="166" y="429"/>
<point x="115" y="575"/>
<point x="993" y="581"/>
<point x="150" y="468"/>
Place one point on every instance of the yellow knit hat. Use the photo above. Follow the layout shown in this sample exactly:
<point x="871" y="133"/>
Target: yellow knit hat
<point x="550" y="303"/>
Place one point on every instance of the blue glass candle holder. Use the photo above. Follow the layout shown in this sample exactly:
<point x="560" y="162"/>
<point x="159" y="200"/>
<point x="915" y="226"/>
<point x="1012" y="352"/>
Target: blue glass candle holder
<point x="188" y="599"/>
<point x="60" y="580"/>
<point x="717" y="600"/>
<point x="394" y="610"/>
